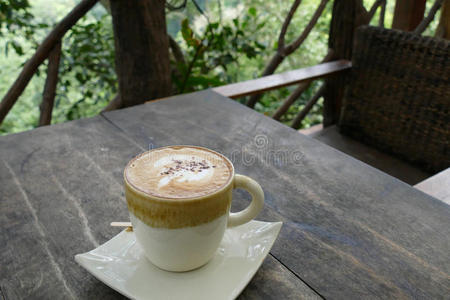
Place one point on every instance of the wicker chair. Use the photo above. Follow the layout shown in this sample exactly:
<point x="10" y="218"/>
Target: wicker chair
<point x="397" y="101"/>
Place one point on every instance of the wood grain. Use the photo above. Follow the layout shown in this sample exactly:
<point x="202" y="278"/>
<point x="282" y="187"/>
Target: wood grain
<point x="61" y="186"/>
<point x="266" y="83"/>
<point x="350" y="230"/>
<point x="279" y="281"/>
<point x="385" y="162"/>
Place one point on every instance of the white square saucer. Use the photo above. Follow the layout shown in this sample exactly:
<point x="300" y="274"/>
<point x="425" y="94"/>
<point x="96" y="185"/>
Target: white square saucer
<point x="120" y="263"/>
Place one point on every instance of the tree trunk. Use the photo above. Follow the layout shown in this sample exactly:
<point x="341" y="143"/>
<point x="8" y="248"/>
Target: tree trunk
<point x="408" y="14"/>
<point x="142" y="50"/>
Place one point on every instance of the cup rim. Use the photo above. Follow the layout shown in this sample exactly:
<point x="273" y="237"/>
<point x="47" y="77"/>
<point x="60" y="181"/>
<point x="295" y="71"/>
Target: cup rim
<point x="181" y="200"/>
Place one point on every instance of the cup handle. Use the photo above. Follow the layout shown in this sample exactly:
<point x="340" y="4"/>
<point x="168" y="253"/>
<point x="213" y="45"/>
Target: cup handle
<point x="255" y="190"/>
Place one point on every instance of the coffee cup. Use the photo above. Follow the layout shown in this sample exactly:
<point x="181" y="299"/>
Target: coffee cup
<point x="179" y="200"/>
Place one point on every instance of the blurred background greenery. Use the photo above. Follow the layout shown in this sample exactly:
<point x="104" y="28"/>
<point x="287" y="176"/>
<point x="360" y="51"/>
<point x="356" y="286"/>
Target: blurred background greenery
<point x="223" y="41"/>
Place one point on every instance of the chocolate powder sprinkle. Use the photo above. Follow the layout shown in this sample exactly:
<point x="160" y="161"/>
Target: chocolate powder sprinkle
<point x="188" y="165"/>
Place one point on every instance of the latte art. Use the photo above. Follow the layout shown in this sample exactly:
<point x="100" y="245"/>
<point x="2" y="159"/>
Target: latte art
<point x="179" y="172"/>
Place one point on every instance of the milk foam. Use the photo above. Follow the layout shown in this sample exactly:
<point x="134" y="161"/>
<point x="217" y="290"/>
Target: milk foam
<point x="178" y="172"/>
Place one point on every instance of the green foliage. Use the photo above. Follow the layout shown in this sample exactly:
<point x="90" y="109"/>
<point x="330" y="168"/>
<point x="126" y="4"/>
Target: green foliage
<point x="14" y="15"/>
<point x="86" y="82"/>
<point x="87" y="65"/>
<point x="15" y="20"/>
<point x="209" y="54"/>
<point x="222" y="41"/>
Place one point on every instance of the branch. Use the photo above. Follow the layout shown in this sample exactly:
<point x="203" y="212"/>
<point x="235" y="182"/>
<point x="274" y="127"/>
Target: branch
<point x="106" y="5"/>
<point x="425" y="22"/>
<point x="219" y="4"/>
<point x="48" y="98"/>
<point x="115" y="103"/>
<point x="374" y="8"/>
<point x="297" y="93"/>
<point x="307" y="108"/>
<point x="294" y="45"/>
<point x="279" y="56"/>
<point x="41" y="54"/>
<point x="291" y="99"/>
<point x="382" y="14"/>
<point x="172" y="7"/>
<point x="192" y="62"/>
<point x="200" y="10"/>
<point x="176" y="51"/>
<point x="286" y="23"/>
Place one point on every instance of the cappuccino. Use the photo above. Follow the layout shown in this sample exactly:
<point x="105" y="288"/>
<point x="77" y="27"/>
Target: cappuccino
<point x="179" y="172"/>
<point x="179" y="199"/>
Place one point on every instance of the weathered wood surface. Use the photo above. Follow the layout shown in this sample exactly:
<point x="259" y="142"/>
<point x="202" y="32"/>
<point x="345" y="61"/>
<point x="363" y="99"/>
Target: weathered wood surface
<point x="350" y="231"/>
<point x="385" y="162"/>
<point x="61" y="186"/>
<point x="270" y="82"/>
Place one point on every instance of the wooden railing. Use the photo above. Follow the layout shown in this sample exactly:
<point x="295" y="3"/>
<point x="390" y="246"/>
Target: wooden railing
<point x="271" y="82"/>
<point x="347" y="15"/>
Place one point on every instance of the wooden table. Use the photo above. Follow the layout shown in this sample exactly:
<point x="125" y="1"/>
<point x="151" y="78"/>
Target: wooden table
<point x="350" y="231"/>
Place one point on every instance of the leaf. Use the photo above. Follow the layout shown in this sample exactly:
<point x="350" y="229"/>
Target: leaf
<point x="188" y="34"/>
<point x="18" y="49"/>
<point x="204" y="81"/>
<point x="252" y="11"/>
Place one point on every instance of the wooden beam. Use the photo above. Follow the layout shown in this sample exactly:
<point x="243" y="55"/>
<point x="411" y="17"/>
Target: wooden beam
<point x="346" y="17"/>
<point x="48" y="97"/>
<point x="41" y="54"/>
<point x="408" y="14"/>
<point x="271" y="82"/>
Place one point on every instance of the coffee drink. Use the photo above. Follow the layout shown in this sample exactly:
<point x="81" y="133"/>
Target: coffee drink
<point x="179" y="172"/>
<point x="179" y="200"/>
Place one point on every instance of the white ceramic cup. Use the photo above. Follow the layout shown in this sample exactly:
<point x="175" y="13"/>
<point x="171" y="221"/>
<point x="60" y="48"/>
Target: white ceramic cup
<point x="184" y="234"/>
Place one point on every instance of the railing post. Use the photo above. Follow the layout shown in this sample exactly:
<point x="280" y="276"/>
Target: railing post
<point x="48" y="96"/>
<point x="408" y="14"/>
<point x="443" y="29"/>
<point x="346" y="17"/>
